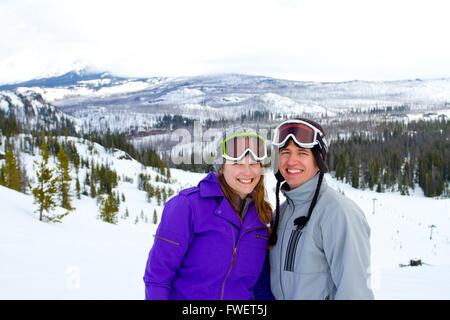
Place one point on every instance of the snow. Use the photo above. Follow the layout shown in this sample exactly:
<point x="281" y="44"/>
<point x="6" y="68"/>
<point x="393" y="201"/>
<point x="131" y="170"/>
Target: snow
<point x="4" y="105"/>
<point x="88" y="88"/>
<point x="130" y="104"/>
<point x="85" y="258"/>
<point x="182" y="94"/>
<point x="17" y="100"/>
<point x="290" y="107"/>
<point x="82" y="258"/>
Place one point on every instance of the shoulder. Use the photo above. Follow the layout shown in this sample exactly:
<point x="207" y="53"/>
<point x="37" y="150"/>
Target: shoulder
<point x="192" y="198"/>
<point x="189" y="191"/>
<point x="339" y="219"/>
<point x="336" y="206"/>
<point x="182" y="200"/>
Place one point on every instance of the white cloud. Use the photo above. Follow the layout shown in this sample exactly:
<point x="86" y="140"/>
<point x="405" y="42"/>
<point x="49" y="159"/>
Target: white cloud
<point x="306" y="40"/>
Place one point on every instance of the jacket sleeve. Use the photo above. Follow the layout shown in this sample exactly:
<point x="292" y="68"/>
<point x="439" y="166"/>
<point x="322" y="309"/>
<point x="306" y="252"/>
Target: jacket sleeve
<point x="170" y="244"/>
<point x="346" y="242"/>
<point x="262" y="291"/>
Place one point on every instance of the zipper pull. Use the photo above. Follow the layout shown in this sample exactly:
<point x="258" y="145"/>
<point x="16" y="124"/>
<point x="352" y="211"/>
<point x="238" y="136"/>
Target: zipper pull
<point x="234" y="257"/>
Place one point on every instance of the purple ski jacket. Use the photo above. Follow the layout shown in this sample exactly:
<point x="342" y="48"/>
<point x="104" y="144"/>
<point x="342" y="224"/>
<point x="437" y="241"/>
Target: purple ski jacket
<point x="202" y="249"/>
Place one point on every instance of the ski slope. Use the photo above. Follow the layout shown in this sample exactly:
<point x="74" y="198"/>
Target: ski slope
<point x="85" y="258"/>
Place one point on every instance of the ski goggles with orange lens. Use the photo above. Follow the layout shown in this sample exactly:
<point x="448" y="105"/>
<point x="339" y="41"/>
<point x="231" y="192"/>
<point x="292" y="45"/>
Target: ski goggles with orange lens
<point x="236" y="147"/>
<point x="303" y="133"/>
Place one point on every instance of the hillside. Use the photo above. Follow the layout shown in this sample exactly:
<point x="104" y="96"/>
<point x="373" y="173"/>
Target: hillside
<point x="135" y="105"/>
<point x="39" y="259"/>
<point x="85" y="258"/>
<point x="33" y="112"/>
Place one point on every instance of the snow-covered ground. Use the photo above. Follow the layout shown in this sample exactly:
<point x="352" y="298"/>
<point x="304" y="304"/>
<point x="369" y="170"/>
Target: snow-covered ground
<point x="85" y="258"/>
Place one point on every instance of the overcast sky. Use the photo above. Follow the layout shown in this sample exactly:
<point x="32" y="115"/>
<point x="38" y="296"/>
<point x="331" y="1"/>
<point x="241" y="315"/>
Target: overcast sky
<point x="316" y="40"/>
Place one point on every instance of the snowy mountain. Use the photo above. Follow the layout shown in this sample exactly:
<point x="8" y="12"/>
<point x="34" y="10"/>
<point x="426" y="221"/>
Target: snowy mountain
<point x="136" y="105"/>
<point x="85" y="258"/>
<point x="33" y="112"/>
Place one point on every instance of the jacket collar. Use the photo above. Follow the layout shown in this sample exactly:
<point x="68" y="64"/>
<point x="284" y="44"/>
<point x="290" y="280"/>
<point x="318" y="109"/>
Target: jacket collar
<point x="303" y="193"/>
<point x="210" y="187"/>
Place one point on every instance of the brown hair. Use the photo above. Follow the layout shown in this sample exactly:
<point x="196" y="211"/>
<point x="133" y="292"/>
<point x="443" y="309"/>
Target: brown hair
<point x="263" y="207"/>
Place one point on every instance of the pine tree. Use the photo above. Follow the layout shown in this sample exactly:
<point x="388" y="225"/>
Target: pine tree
<point x="158" y="196"/>
<point x="164" y="195"/>
<point x="170" y="193"/>
<point x="2" y="177"/>
<point x="24" y="180"/>
<point x="341" y="165"/>
<point x="78" y="188"/>
<point x="108" y="209"/>
<point x="355" y="177"/>
<point x="93" y="190"/>
<point x="45" y="191"/>
<point x="10" y="175"/>
<point x="150" y="191"/>
<point x="63" y="180"/>
<point x="155" y="217"/>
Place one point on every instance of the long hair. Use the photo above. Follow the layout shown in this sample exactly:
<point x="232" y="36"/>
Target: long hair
<point x="263" y="207"/>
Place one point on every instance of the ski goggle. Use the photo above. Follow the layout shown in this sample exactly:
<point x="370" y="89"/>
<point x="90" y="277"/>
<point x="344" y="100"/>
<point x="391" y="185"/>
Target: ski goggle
<point x="303" y="133"/>
<point x="236" y="147"/>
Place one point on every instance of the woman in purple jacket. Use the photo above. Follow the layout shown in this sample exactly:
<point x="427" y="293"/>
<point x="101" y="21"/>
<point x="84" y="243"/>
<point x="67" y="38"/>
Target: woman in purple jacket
<point x="212" y="239"/>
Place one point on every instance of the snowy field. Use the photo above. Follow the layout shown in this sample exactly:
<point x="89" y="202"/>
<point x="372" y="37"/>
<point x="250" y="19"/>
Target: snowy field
<point x="84" y="258"/>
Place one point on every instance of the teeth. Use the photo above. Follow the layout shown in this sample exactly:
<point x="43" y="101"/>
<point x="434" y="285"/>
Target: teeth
<point x="294" y="171"/>
<point x="245" y="181"/>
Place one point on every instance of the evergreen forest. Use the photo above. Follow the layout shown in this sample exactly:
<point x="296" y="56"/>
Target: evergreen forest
<point x="395" y="156"/>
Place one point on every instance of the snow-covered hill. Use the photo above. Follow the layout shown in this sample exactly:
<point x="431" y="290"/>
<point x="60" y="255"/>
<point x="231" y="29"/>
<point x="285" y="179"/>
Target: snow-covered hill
<point x="43" y="260"/>
<point x="32" y="111"/>
<point x="136" y="104"/>
<point x="85" y="258"/>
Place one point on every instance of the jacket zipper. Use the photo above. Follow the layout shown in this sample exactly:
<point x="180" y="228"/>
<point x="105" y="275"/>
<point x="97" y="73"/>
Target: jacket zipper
<point x="232" y="263"/>
<point x="292" y="249"/>
<point x="156" y="236"/>
<point x="233" y="260"/>
<point x="281" y="244"/>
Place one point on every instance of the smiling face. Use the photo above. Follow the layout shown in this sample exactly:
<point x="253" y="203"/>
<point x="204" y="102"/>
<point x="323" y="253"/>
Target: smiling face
<point x="242" y="176"/>
<point x="297" y="165"/>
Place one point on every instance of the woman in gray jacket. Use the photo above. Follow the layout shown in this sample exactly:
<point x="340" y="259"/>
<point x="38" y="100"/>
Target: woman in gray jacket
<point x="320" y="239"/>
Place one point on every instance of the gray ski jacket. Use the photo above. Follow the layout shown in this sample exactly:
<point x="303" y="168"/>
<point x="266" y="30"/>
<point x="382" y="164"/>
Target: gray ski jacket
<point x="330" y="257"/>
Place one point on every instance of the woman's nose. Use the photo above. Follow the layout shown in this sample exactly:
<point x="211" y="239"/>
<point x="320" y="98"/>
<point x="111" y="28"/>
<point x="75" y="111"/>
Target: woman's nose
<point x="246" y="169"/>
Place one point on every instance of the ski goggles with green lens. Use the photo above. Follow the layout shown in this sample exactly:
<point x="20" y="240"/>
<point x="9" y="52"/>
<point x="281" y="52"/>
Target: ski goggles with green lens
<point x="237" y="146"/>
<point x="303" y="133"/>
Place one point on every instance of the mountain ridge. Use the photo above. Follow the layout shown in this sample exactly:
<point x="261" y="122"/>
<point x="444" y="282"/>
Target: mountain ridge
<point x="138" y="104"/>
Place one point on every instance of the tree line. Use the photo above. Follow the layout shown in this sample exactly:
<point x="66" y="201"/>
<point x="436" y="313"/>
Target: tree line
<point x="395" y="156"/>
<point x="145" y="155"/>
<point x="11" y="126"/>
